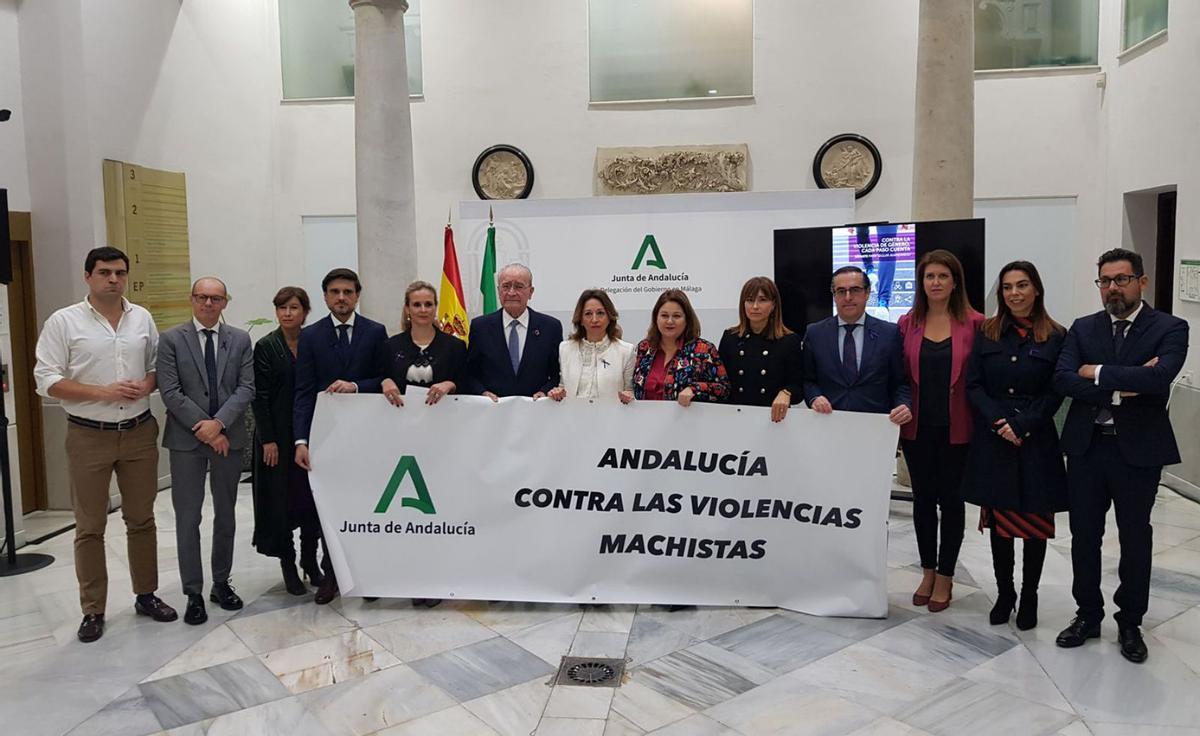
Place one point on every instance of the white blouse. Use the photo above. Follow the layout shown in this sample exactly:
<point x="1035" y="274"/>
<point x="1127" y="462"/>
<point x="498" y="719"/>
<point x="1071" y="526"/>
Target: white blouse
<point x="596" y="370"/>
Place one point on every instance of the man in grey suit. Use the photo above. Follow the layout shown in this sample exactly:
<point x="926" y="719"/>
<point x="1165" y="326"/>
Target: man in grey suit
<point x="206" y="377"/>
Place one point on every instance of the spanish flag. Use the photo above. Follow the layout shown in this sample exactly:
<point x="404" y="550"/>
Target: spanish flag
<point x="452" y="307"/>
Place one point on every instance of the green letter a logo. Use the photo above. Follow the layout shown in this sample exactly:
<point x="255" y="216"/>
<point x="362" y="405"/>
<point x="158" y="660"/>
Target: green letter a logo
<point x="422" y="502"/>
<point x="657" y="261"/>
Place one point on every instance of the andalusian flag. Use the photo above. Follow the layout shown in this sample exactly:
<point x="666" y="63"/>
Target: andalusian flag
<point x="452" y="307"/>
<point x="487" y="276"/>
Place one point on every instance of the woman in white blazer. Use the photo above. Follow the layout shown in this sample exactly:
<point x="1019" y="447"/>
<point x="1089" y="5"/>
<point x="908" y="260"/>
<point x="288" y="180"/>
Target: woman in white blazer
<point x="595" y="362"/>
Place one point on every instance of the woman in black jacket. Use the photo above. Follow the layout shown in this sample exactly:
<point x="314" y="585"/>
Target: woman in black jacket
<point x="1015" y="470"/>
<point x="761" y="355"/>
<point x="282" y="497"/>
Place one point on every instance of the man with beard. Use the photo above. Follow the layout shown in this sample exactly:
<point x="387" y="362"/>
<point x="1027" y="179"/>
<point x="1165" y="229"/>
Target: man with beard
<point x="1117" y="365"/>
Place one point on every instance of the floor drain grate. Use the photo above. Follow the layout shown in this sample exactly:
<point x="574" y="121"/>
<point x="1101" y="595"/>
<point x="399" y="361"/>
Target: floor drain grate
<point x="590" y="672"/>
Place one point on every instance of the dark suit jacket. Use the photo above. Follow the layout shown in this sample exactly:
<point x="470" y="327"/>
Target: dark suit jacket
<point x="183" y="384"/>
<point x="318" y="365"/>
<point x="881" y="384"/>
<point x="488" y="366"/>
<point x="1144" y="433"/>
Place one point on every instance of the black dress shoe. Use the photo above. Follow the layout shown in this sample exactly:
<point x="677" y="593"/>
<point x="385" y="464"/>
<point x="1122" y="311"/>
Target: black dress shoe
<point x="222" y="594"/>
<point x="678" y="607"/>
<point x="1133" y="647"/>
<point x="195" y="613"/>
<point x="153" y="606"/>
<point x="370" y="598"/>
<point x="328" y="590"/>
<point x="291" y="581"/>
<point x="92" y="628"/>
<point x="431" y="602"/>
<point x="1078" y="632"/>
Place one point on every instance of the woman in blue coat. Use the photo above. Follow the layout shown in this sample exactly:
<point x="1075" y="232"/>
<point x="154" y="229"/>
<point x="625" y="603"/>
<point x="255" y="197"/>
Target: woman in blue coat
<point x="1015" y="470"/>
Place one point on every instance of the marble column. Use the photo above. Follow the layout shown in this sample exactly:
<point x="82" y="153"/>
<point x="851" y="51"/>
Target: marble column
<point x="383" y="159"/>
<point x="944" y="146"/>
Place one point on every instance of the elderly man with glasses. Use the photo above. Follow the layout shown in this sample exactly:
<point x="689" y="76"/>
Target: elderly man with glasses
<point x="206" y="378"/>
<point x="514" y="350"/>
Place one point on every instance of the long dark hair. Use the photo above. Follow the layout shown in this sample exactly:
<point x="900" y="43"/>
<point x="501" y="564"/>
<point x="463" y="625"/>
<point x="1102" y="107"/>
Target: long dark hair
<point x="959" y="307"/>
<point x="751" y="289"/>
<point x="1043" y="325"/>
<point x="691" y="332"/>
<point x="600" y="295"/>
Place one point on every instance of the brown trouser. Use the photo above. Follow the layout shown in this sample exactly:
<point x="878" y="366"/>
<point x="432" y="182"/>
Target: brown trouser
<point x="92" y="456"/>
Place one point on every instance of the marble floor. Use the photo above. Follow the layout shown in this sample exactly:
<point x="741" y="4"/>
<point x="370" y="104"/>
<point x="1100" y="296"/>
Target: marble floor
<point x="285" y="666"/>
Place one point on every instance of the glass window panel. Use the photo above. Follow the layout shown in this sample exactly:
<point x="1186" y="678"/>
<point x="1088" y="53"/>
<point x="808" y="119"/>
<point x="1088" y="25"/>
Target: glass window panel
<point x="1143" y="19"/>
<point x="1017" y="34"/>
<point x="316" y="40"/>
<point x="670" y="49"/>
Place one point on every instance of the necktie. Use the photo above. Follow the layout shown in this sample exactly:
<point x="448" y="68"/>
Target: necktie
<point x="343" y="341"/>
<point x="850" y="355"/>
<point x="1119" y="328"/>
<point x="210" y="367"/>
<point x="514" y="346"/>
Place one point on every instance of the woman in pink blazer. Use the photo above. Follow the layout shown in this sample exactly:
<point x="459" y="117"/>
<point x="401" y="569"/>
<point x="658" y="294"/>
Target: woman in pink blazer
<point x="938" y="334"/>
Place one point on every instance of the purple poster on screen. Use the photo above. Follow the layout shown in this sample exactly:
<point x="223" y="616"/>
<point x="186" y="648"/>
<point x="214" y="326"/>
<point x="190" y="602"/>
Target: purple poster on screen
<point x="888" y="254"/>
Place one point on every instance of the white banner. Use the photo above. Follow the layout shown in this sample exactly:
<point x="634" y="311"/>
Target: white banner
<point x="637" y="246"/>
<point x="603" y="502"/>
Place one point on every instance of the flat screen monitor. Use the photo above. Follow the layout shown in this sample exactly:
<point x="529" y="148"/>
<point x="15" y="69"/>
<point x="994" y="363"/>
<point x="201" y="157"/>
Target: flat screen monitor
<point x="805" y="259"/>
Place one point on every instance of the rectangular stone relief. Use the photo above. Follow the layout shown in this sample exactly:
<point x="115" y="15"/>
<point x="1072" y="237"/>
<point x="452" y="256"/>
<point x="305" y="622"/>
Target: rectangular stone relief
<point x="671" y="169"/>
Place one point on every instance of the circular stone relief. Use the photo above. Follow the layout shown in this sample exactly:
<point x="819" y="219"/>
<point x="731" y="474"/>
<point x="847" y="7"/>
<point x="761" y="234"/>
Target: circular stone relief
<point x="848" y="161"/>
<point x="502" y="172"/>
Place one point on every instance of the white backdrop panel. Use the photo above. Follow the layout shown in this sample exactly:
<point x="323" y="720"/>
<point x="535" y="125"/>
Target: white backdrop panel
<point x="710" y="244"/>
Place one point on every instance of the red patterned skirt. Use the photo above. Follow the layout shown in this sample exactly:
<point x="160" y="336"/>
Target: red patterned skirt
<point x="1017" y="524"/>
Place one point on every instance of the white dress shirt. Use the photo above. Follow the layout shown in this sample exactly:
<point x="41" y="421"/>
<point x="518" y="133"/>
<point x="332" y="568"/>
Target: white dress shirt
<point x="349" y="323"/>
<point x="79" y="344"/>
<point x="858" y="337"/>
<point x="1116" y="395"/>
<point x="200" y="334"/>
<point x="522" y="328"/>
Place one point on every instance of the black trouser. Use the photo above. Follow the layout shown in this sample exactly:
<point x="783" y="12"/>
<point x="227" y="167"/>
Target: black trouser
<point x="1094" y="480"/>
<point x="936" y="468"/>
<point x="310" y="535"/>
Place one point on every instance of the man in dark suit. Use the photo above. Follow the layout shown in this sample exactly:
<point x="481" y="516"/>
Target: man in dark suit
<point x="1117" y="366"/>
<point x="340" y="354"/>
<point x="206" y="378"/>
<point x="513" y="351"/>
<point x="853" y="361"/>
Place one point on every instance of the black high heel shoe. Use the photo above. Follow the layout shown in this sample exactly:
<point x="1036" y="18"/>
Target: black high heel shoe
<point x="1027" y="612"/>
<point x="1005" y="603"/>
<point x="312" y="571"/>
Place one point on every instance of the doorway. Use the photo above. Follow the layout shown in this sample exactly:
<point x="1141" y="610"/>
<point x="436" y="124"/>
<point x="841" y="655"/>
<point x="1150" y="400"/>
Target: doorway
<point x="22" y="311"/>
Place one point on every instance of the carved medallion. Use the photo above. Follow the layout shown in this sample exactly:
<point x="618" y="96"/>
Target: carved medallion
<point x="671" y="169"/>
<point x="502" y="172"/>
<point x="848" y="161"/>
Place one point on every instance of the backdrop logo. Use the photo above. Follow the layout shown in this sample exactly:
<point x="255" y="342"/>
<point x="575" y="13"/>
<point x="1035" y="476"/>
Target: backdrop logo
<point x="657" y="261"/>
<point x="421" y="502"/>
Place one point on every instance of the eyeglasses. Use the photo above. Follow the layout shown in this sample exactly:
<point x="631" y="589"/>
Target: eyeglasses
<point x="515" y="286"/>
<point x="852" y="291"/>
<point x="1123" y="280"/>
<point x="202" y="298"/>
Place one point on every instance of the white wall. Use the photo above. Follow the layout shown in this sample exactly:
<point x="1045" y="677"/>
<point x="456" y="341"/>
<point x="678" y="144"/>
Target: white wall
<point x="13" y="167"/>
<point x="196" y="87"/>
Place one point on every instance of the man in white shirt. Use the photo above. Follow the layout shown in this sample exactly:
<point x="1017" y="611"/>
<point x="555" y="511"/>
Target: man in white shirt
<point x="97" y="358"/>
<point x="206" y="379"/>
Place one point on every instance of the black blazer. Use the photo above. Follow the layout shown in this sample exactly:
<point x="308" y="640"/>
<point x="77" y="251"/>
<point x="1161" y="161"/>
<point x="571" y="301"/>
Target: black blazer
<point x="488" y="366"/>
<point x="447" y="355"/>
<point x="759" y="368"/>
<point x="1144" y="433"/>
<point x="1011" y="379"/>
<point x="318" y="365"/>
<point x="881" y="384"/>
